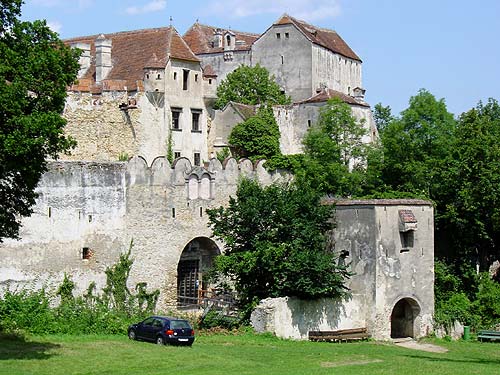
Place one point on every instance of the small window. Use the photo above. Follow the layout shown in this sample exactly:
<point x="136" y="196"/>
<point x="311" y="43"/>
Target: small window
<point x="282" y="59"/>
<point x="287" y="35"/>
<point x="173" y="212"/>
<point x="147" y="76"/>
<point x="176" y="114"/>
<point x="185" y="79"/>
<point x="158" y="76"/>
<point x="201" y="211"/>
<point x="407" y="240"/>
<point x="228" y="40"/>
<point x="278" y="36"/>
<point x="309" y="123"/>
<point x="175" y="76"/>
<point x="196" y="77"/>
<point x="210" y="81"/>
<point x="86" y="253"/>
<point x="197" y="159"/>
<point x="195" y="116"/>
<point x="177" y="154"/>
<point x="49" y="212"/>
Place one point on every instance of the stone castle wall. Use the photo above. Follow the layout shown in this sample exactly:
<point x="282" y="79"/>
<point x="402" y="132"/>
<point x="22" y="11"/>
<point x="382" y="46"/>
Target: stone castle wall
<point x="103" y="206"/>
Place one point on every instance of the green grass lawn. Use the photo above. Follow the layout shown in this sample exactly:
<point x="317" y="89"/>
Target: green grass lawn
<point x="237" y="354"/>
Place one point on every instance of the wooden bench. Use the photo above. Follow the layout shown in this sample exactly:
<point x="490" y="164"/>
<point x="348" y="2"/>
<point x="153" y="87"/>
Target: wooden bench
<point x="488" y="335"/>
<point x="340" y="335"/>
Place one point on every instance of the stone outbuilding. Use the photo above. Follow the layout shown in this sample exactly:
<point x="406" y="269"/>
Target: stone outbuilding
<point x="389" y="247"/>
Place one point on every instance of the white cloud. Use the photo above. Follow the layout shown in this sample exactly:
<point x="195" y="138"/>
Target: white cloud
<point x="55" y="26"/>
<point x="81" y="4"/>
<point x="152" y="6"/>
<point x="308" y="10"/>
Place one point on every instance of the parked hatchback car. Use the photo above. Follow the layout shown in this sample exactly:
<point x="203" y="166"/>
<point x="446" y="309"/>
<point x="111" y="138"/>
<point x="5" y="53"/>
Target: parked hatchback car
<point x="162" y="330"/>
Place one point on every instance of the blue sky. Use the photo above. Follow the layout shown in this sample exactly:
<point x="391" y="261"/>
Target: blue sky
<point x="451" y="48"/>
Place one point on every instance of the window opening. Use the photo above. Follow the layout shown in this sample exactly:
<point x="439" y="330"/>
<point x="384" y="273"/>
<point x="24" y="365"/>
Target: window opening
<point x="195" y="115"/>
<point x="173" y="212"/>
<point x="309" y="123"/>
<point x="147" y="76"/>
<point x="201" y="211"/>
<point x="86" y="253"/>
<point x="185" y="78"/>
<point x="175" y="75"/>
<point x="196" y="77"/>
<point x="210" y="81"/>
<point x="197" y="159"/>
<point x="177" y="155"/>
<point x="228" y="40"/>
<point x="176" y="114"/>
<point x="287" y="35"/>
<point x="278" y="36"/>
<point x="49" y="213"/>
<point x="158" y="76"/>
<point x="282" y="59"/>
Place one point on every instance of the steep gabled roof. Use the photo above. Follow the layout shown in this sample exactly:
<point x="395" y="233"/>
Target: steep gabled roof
<point x="200" y="37"/>
<point x="326" y="38"/>
<point x="131" y="52"/>
<point x="326" y="94"/>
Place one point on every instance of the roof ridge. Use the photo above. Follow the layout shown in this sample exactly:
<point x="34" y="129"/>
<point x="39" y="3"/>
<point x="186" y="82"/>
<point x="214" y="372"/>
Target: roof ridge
<point x="95" y="36"/>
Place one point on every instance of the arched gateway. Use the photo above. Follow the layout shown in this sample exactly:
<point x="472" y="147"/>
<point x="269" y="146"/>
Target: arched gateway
<point x="403" y="318"/>
<point x="196" y="258"/>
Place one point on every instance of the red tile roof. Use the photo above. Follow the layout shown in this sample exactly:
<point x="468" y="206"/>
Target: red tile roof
<point x="326" y="38"/>
<point x="131" y="52"/>
<point x="326" y="94"/>
<point x="208" y="71"/>
<point x="200" y="37"/>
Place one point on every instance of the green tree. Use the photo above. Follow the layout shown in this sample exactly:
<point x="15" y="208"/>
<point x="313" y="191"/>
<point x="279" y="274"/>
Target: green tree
<point x="249" y="85"/>
<point x="335" y="156"/>
<point x="276" y="244"/>
<point x="417" y="147"/>
<point x="382" y="116"/>
<point x="35" y="69"/>
<point x="256" y="138"/>
<point x="473" y="210"/>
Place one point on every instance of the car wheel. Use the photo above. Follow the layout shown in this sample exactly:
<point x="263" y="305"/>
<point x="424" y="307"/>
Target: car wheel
<point x="131" y="335"/>
<point x="160" y="341"/>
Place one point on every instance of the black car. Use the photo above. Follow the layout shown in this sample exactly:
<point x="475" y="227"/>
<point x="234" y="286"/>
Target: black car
<point x="162" y="330"/>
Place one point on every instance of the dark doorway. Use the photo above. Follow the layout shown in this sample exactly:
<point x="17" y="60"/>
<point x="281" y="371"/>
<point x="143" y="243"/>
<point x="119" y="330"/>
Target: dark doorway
<point x="403" y="318"/>
<point x="196" y="258"/>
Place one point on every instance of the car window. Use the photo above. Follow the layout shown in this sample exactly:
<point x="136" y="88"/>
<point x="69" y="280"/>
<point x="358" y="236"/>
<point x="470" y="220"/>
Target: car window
<point x="158" y="323"/>
<point x="148" y="321"/>
<point x="177" y="324"/>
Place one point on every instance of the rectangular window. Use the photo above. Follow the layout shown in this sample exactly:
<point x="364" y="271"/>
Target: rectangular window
<point x="185" y="79"/>
<point x="177" y="155"/>
<point x="176" y="114"/>
<point x="197" y="159"/>
<point x="278" y="36"/>
<point x="287" y="35"/>
<point x="195" y="117"/>
<point x="86" y="253"/>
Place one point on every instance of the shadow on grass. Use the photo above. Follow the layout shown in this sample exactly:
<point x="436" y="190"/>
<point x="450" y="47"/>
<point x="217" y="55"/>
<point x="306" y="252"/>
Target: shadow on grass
<point x="459" y="360"/>
<point x="15" y="346"/>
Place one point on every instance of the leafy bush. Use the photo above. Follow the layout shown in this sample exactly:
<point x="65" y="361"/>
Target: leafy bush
<point x="216" y="318"/>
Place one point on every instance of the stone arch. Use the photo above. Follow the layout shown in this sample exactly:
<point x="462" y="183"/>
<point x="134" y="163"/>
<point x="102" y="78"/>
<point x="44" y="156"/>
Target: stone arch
<point x="196" y="258"/>
<point x="403" y="318"/>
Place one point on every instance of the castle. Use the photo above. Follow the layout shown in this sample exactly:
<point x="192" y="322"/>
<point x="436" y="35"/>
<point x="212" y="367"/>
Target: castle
<point x="142" y="92"/>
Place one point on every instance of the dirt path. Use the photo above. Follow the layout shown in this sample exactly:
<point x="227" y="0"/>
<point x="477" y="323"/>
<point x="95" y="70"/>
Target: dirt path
<point x="412" y="344"/>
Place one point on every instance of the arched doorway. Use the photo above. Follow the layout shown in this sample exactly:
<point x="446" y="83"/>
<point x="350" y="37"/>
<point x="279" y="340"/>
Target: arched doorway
<point x="403" y="318"/>
<point x="196" y="258"/>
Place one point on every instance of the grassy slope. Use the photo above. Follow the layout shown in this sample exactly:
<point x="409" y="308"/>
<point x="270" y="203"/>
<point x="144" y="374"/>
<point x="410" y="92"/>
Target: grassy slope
<point x="246" y="354"/>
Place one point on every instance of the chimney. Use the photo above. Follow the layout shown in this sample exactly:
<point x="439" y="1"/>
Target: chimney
<point x="84" y="60"/>
<point x="102" y="58"/>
